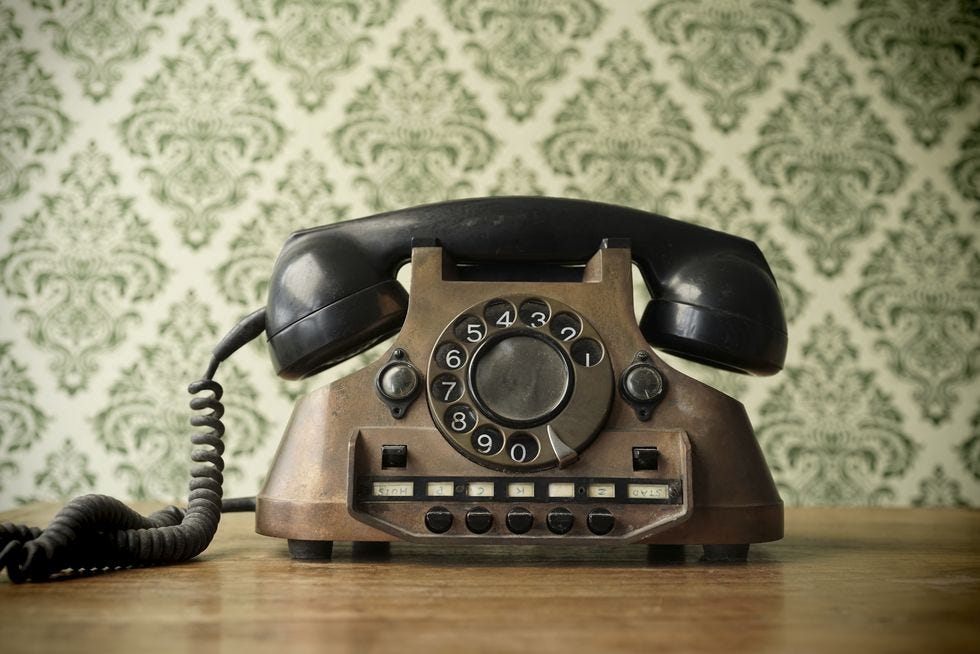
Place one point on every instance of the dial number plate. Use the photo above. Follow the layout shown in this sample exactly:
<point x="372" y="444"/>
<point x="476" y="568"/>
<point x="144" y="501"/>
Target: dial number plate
<point x="507" y="370"/>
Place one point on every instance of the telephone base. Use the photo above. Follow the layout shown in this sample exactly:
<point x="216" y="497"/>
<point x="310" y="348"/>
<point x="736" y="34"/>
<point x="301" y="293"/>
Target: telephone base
<point x="310" y="550"/>
<point x="726" y="553"/>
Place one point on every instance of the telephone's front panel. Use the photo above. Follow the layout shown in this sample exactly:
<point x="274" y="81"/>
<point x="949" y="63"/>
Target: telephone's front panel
<point x="644" y="487"/>
<point x="519" y="412"/>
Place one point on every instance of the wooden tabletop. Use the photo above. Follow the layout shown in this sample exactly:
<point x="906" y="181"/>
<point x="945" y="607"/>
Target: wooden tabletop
<point x="842" y="580"/>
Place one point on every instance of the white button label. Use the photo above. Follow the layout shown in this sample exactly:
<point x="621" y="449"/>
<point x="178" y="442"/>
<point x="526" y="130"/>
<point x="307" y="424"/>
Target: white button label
<point x="561" y="489"/>
<point x="602" y="490"/>
<point x="647" y="491"/>
<point x="520" y="489"/>
<point x="392" y="488"/>
<point x="480" y="489"/>
<point x="439" y="489"/>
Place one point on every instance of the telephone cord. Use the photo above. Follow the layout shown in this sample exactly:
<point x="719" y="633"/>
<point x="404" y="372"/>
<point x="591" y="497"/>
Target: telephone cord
<point x="94" y="532"/>
<point x="97" y="532"/>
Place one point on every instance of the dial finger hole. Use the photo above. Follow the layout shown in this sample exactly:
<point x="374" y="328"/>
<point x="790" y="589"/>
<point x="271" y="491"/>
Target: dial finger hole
<point x="500" y="314"/>
<point x="566" y="326"/>
<point x="487" y="440"/>
<point x="522" y="448"/>
<point x="447" y="387"/>
<point x="534" y="313"/>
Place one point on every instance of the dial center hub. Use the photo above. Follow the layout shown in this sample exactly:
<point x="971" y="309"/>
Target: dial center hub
<point x="521" y="379"/>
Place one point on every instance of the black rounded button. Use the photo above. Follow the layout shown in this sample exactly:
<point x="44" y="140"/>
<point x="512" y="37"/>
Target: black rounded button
<point x="560" y="521"/>
<point x="479" y="520"/>
<point x="600" y="521"/>
<point x="521" y="379"/>
<point x="520" y="520"/>
<point x="438" y="520"/>
<point x="643" y="383"/>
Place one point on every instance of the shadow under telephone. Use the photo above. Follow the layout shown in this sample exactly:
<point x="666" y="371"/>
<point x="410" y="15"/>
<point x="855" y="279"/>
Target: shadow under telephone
<point x="520" y="402"/>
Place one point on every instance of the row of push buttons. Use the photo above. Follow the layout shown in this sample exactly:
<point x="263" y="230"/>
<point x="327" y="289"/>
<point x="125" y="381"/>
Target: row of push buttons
<point x="519" y="520"/>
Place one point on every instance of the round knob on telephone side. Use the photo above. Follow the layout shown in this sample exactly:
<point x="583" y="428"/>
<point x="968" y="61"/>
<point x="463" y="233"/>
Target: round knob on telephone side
<point x="643" y="383"/>
<point x="399" y="381"/>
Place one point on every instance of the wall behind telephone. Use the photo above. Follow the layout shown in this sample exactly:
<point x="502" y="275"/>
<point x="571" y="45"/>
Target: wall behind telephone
<point x="153" y="156"/>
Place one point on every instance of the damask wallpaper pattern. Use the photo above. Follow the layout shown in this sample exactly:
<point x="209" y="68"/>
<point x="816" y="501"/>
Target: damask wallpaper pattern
<point x="155" y="153"/>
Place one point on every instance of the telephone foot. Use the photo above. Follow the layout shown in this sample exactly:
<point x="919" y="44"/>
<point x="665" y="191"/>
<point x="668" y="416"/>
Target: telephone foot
<point x="310" y="550"/>
<point x="665" y="553"/>
<point x="368" y="550"/>
<point x="726" y="553"/>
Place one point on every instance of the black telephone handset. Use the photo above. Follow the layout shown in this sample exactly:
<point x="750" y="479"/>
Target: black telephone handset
<point x="333" y="293"/>
<point x="520" y="336"/>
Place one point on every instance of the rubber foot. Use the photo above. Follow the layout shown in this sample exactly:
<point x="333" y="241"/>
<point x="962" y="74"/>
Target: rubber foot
<point x="370" y="550"/>
<point x="726" y="553"/>
<point x="311" y="550"/>
<point x="665" y="553"/>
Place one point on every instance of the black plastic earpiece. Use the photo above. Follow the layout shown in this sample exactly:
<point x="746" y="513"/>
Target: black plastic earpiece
<point x="328" y="301"/>
<point x="720" y="310"/>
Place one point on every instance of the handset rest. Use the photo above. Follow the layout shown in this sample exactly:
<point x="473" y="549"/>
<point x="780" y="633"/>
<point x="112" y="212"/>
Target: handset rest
<point x="333" y="291"/>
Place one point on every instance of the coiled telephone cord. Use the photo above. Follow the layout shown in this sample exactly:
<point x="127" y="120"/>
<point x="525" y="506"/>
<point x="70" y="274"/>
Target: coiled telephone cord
<point x="97" y="532"/>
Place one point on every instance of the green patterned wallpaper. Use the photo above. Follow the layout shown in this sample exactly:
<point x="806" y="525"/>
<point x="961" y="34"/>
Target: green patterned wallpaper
<point x="155" y="153"/>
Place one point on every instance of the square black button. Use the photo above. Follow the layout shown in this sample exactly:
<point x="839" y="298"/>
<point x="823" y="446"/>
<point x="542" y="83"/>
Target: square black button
<point x="394" y="456"/>
<point x="645" y="458"/>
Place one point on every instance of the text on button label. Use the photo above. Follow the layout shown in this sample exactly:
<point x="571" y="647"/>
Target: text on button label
<point x="439" y="489"/>
<point x="480" y="489"/>
<point x="602" y="490"/>
<point x="520" y="489"/>
<point x="392" y="488"/>
<point x="647" y="491"/>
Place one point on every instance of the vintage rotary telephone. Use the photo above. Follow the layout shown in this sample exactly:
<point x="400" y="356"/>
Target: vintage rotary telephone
<point x="520" y="402"/>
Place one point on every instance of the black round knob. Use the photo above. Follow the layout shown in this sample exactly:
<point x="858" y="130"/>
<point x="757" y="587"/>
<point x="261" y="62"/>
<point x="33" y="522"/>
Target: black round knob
<point x="398" y="381"/>
<point x="438" y="519"/>
<point x="519" y="520"/>
<point x="479" y="520"/>
<point x="643" y="383"/>
<point x="600" y="521"/>
<point x="560" y="521"/>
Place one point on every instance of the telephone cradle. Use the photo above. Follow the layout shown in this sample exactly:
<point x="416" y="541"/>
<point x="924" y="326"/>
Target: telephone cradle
<point x="520" y="401"/>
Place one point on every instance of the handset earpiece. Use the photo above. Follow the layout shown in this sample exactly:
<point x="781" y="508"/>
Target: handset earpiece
<point x="722" y="310"/>
<point x="329" y="299"/>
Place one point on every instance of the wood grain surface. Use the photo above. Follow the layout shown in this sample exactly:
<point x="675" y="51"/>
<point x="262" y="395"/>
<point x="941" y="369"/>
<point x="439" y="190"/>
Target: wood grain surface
<point x="863" y="580"/>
